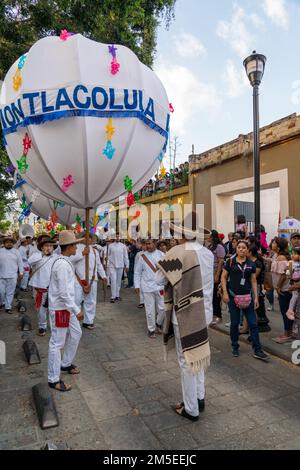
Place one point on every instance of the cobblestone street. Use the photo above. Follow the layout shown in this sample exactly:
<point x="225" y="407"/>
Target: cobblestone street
<point x="122" y="397"/>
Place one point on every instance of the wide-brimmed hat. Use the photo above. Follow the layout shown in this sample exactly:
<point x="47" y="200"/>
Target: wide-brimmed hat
<point x="190" y="228"/>
<point x="67" y="237"/>
<point x="45" y="239"/>
<point x="8" y="237"/>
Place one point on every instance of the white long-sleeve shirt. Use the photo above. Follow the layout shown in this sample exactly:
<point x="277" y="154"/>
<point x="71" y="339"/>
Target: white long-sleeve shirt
<point x="41" y="266"/>
<point x="144" y="276"/>
<point x="206" y="261"/>
<point x="10" y="263"/>
<point x="61" y="291"/>
<point x="78" y="261"/>
<point x="24" y="252"/>
<point x="117" y="256"/>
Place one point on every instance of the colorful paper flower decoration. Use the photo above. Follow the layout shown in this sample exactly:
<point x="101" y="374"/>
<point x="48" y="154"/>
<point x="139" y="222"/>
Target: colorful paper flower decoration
<point x="67" y="182"/>
<point x="64" y="34"/>
<point x="109" y="151"/>
<point x="163" y="171"/>
<point x="17" y="78"/>
<point x="10" y="169"/>
<point x="171" y="108"/>
<point x="114" y="65"/>
<point x="24" y="203"/>
<point x="128" y="183"/>
<point x="22" y="164"/>
<point x="130" y="199"/>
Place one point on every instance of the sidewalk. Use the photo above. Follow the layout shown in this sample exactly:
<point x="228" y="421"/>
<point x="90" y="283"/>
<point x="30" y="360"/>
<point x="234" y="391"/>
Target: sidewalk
<point x="283" y="351"/>
<point x="122" y="397"/>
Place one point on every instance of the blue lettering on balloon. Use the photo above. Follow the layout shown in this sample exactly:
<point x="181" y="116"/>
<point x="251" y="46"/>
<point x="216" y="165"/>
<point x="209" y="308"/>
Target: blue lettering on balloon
<point x="3" y="120"/>
<point x="78" y="103"/>
<point x="63" y="99"/>
<point x="150" y="109"/>
<point x="45" y="108"/>
<point x="141" y="101"/>
<point x="17" y="110"/>
<point x="11" y="122"/>
<point x="134" y="103"/>
<point x="95" y="92"/>
<point x="30" y="97"/>
<point x="112" y="104"/>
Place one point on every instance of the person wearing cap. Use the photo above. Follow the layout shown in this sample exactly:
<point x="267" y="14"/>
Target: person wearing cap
<point x="187" y="271"/>
<point x="11" y="266"/>
<point x="24" y="252"/>
<point x="41" y="263"/>
<point x="117" y="260"/>
<point x="64" y="314"/>
<point x="144" y="278"/>
<point x="294" y="241"/>
<point x="86" y="296"/>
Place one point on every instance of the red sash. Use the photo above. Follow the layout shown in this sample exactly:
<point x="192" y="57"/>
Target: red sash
<point x="39" y="297"/>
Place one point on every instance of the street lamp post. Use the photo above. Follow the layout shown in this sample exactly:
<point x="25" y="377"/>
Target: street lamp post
<point x="255" y="67"/>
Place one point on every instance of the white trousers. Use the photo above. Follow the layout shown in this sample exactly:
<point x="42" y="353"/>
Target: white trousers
<point x="67" y="338"/>
<point x="24" y="281"/>
<point x="7" y="291"/>
<point x="141" y="297"/>
<point x="115" y="281"/>
<point x="193" y="387"/>
<point x="155" y="309"/>
<point x="43" y="311"/>
<point x="89" y="301"/>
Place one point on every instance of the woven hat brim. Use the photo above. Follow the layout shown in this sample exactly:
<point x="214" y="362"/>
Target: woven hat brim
<point x="75" y="242"/>
<point x="180" y="230"/>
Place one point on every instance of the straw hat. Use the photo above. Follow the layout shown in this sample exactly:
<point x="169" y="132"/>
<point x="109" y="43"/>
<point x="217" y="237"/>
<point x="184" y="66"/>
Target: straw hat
<point x="190" y="228"/>
<point x="45" y="239"/>
<point x="8" y="237"/>
<point x="67" y="237"/>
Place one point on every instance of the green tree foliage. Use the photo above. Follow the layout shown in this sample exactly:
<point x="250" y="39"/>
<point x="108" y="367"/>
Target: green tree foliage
<point x="132" y="23"/>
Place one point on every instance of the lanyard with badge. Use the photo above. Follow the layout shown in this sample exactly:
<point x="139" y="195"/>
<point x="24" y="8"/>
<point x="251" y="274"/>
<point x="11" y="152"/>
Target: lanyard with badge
<point x="243" y="280"/>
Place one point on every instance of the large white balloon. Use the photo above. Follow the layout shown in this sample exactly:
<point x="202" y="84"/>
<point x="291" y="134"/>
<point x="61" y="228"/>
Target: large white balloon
<point x="67" y="97"/>
<point x="43" y="207"/>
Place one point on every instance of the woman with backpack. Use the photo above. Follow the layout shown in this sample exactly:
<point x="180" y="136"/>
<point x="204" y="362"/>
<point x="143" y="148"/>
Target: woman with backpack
<point x="239" y="285"/>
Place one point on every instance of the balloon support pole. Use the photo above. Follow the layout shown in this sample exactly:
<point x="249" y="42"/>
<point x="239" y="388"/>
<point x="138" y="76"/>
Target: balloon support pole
<point x="87" y="234"/>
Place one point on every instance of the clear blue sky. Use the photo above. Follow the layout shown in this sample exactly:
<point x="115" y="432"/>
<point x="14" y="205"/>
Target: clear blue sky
<point x="200" y="61"/>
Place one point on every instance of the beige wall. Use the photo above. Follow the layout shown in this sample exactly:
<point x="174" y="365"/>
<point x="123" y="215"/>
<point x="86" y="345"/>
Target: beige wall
<point x="275" y="158"/>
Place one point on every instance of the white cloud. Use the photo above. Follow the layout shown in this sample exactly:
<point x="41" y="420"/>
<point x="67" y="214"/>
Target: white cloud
<point x="236" y="33"/>
<point x="188" y="45"/>
<point x="235" y="79"/>
<point x="257" y="21"/>
<point x="188" y="95"/>
<point x="276" y="10"/>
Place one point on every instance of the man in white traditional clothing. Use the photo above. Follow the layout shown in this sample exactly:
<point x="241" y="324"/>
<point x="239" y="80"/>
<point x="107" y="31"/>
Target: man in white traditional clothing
<point x="145" y="280"/>
<point x="86" y="294"/>
<point x="41" y="263"/>
<point x="64" y="314"/>
<point x="11" y="268"/>
<point x="138" y="255"/>
<point x="117" y="260"/>
<point x="24" y="250"/>
<point x="187" y="271"/>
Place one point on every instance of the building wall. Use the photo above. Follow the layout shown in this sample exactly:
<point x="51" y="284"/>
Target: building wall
<point x="282" y="155"/>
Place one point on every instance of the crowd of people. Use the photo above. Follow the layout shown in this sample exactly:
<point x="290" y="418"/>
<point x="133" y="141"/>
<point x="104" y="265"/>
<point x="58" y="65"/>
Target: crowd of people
<point x="174" y="178"/>
<point x="181" y="283"/>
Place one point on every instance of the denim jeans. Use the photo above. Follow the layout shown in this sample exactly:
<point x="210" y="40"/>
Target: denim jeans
<point x="270" y="296"/>
<point x="235" y="322"/>
<point x="284" y="302"/>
